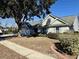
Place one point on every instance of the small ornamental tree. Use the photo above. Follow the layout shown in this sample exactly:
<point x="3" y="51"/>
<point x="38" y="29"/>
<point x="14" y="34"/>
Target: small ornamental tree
<point x="25" y="9"/>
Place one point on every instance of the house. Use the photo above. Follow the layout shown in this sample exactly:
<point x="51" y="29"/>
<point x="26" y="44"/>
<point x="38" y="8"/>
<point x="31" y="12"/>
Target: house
<point x="55" y="24"/>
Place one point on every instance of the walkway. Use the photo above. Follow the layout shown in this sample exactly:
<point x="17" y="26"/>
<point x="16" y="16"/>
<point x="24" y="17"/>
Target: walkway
<point x="30" y="54"/>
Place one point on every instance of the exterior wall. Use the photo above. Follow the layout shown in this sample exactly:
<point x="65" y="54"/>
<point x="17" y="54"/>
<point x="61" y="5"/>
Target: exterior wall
<point x="46" y="19"/>
<point x="61" y="30"/>
<point x="51" y="30"/>
<point x="76" y="24"/>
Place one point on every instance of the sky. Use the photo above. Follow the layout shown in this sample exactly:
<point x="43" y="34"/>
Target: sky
<point x="60" y="8"/>
<point x="65" y="8"/>
<point x="8" y="22"/>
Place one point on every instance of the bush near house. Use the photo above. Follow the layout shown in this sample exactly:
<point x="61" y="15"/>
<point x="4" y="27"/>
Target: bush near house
<point x="52" y="35"/>
<point x="42" y="35"/>
<point x="68" y="42"/>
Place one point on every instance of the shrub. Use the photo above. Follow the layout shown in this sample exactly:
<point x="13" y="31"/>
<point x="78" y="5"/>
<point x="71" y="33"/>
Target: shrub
<point x="70" y="44"/>
<point x="52" y="35"/>
<point x="42" y="35"/>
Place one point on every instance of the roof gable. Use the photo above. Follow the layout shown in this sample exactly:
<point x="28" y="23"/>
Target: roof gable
<point x="53" y="21"/>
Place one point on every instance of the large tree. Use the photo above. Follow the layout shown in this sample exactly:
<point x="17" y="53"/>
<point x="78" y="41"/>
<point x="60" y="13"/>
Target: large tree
<point x="25" y="9"/>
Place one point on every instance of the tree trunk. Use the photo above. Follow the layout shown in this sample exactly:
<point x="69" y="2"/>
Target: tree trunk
<point x="19" y="27"/>
<point x="18" y="21"/>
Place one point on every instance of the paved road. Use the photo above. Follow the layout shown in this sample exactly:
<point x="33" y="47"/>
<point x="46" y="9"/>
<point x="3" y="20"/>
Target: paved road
<point x="30" y="54"/>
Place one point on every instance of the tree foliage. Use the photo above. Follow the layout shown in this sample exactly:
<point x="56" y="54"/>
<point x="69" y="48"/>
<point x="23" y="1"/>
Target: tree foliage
<point x="28" y="8"/>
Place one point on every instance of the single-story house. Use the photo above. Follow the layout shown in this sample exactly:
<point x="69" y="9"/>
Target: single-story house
<point x="55" y="24"/>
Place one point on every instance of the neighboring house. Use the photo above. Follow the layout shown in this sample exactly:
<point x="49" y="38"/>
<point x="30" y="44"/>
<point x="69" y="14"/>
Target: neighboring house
<point x="1" y="30"/>
<point x="5" y="29"/>
<point x="55" y="24"/>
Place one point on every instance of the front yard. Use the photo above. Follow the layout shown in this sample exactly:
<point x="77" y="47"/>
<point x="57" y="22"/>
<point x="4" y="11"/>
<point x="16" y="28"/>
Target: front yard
<point x="41" y="44"/>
